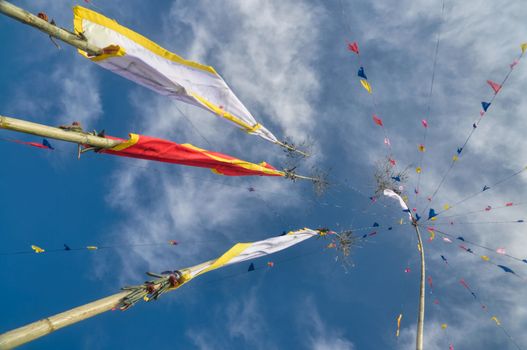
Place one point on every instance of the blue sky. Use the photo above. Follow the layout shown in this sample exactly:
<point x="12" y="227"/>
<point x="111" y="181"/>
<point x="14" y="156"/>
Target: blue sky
<point x="287" y="61"/>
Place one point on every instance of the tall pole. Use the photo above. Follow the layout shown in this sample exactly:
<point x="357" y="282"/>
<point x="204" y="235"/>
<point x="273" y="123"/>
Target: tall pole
<point x="421" y="314"/>
<point x="32" y="331"/>
<point x="68" y="37"/>
<point x="77" y="137"/>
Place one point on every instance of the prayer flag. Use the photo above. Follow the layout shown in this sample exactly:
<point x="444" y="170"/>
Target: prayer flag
<point x="366" y="85"/>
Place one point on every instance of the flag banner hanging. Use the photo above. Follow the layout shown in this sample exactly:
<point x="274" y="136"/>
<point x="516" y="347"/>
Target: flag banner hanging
<point x="141" y="60"/>
<point x="151" y="148"/>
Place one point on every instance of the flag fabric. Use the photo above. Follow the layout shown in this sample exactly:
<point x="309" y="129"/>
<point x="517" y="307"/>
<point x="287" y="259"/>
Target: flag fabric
<point x="141" y="60"/>
<point x="251" y="267"/>
<point x="354" y="47"/>
<point x="495" y="86"/>
<point x="485" y="105"/>
<point x="37" y="249"/>
<point x="151" y="148"/>
<point x="246" y="251"/>
<point x="431" y="213"/>
<point x="366" y="85"/>
<point x="425" y="123"/>
<point x="524" y="47"/>
<point x="402" y="203"/>
<point x="399" y="318"/>
<point x="362" y="74"/>
<point x="377" y="120"/>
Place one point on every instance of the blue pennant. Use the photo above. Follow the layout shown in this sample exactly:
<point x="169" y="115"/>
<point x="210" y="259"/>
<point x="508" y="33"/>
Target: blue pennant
<point x="431" y="213"/>
<point x="485" y="105"/>
<point x="362" y="74"/>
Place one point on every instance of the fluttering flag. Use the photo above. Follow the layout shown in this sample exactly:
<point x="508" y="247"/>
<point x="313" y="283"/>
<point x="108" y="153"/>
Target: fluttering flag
<point x="425" y="123"/>
<point x="396" y="178"/>
<point x="509" y="204"/>
<point x="150" y="148"/>
<point x="444" y="326"/>
<point x="495" y="86"/>
<point x="485" y="105"/>
<point x="392" y="161"/>
<point x="455" y="158"/>
<point x="421" y="147"/>
<point x="501" y="251"/>
<point x="361" y="73"/>
<point x="366" y="85"/>
<point x="46" y="144"/>
<point x="375" y="224"/>
<point x="251" y="267"/>
<point x="270" y="264"/>
<point x="524" y="47"/>
<point x="91" y="247"/>
<point x="354" y="47"/>
<point x="432" y="235"/>
<point x="387" y="141"/>
<point x="485" y="188"/>
<point x="418" y="170"/>
<point x="461" y="238"/>
<point x="459" y="150"/>
<point x="402" y="203"/>
<point x="495" y="319"/>
<point x="141" y="60"/>
<point x="514" y="63"/>
<point x="474" y="125"/>
<point x="506" y="269"/>
<point x="172" y="242"/>
<point x="331" y="245"/>
<point x="431" y="213"/>
<point x="399" y="318"/>
<point x="485" y="258"/>
<point x="446" y="207"/>
<point x="407" y="270"/>
<point x="488" y="208"/>
<point x="37" y="249"/>
<point x="450" y="347"/>
<point x="377" y="120"/>
<point x="444" y="259"/>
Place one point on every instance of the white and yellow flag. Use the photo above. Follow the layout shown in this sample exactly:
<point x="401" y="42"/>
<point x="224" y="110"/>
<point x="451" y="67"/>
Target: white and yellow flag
<point x="246" y="251"/>
<point x="141" y="60"/>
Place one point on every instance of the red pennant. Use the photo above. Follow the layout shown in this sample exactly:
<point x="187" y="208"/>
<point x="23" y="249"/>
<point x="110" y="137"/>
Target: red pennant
<point x="509" y="204"/>
<point x="377" y="120"/>
<point x="495" y="86"/>
<point x="353" y="47"/>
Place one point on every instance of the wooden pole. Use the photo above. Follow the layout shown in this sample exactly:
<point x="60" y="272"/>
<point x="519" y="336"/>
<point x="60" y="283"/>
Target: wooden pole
<point x="421" y="314"/>
<point x="68" y="37"/>
<point x="78" y="137"/>
<point x="49" y="325"/>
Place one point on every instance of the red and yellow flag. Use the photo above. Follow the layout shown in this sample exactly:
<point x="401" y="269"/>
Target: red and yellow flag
<point x="151" y="148"/>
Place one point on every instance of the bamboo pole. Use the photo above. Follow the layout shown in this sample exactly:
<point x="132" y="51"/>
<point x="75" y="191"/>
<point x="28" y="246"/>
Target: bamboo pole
<point x="50" y="324"/>
<point x="77" y="137"/>
<point x="421" y="314"/>
<point x="68" y="37"/>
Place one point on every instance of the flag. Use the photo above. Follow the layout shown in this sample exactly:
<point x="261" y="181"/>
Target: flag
<point x="421" y="147"/>
<point x="495" y="319"/>
<point x="150" y="148"/>
<point x="485" y="105"/>
<point x="399" y="318"/>
<point x="524" y="47"/>
<point x="501" y="251"/>
<point x="251" y="267"/>
<point x="377" y="120"/>
<point x="366" y="85"/>
<point x="144" y="62"/>
<point x="506" y="269"/>
<point x="418" y="170"/>
<point x="362" y="74"/>
<point x="495" y="86"/>
<point x="37" y="249"/>
<point x="425" y="123"/>
<point x="354" y="47"/>
<point x="431" y="213"/>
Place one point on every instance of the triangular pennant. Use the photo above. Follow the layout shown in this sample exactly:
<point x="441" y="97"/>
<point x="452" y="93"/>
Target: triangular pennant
<point x="524" y="47"/>
<point x="362" y="74"/>
<point x="354" y="47"/>
<point x="377" y="120"/>
<point x="431" y="213"/>
<point x="495" y="86"/>
<point x="366" y="85"/>
<point x="485" y="105"/>
<point x="66" y="247"/>
<point x="506" y="269"/>
<point x="251" y="267"/>
<point x="425" y="123"/>
<point x="46" y="143"/>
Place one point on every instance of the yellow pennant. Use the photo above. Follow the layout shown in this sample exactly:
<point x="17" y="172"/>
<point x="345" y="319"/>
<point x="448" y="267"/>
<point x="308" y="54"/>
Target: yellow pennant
<point x="443" y="326"/>
<point x="432" y="234"/>
<point x="446" y="206"/>
<point x="366" y="85"/>
<point x="524" y="47"/>
<point x="421" y="148"/>
<point x="455" y="158"/>
<point x="495" y="319"/>
<point x="434" y="218"/>
<point x="37" y="249"/>
<point x="401" y="221"/>
<point x="91" y="247"/>
<point x="484" y="257"/>
<point x="418" y="170"/>
<point x="399" y="318"/>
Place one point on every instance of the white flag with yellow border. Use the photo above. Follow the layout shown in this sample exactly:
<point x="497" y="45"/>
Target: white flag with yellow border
<point x="141" y="60"/>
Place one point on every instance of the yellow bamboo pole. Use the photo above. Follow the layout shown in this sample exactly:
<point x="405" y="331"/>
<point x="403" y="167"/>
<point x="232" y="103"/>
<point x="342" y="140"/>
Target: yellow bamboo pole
<point x="32" y="331"/>
<point x="30" y="19"/>
<point x="77" y="137"/>
<point x="421" y="314"/>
